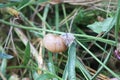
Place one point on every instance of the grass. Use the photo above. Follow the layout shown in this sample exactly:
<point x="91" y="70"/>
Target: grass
<point x="22" y="38"/>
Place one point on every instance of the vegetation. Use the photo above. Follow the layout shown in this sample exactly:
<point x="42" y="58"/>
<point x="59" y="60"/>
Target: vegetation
<point x="93" y="55"/>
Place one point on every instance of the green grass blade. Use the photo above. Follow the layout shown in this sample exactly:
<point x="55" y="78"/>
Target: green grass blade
<point x="117" y="26"/>
<point x="27" y="54"/>
<point x="108" y="69"/>
<point x="105" y="61"/>
<point x="111" y="42"/>
<point x="51" y="66"/>
<point x="35" y="75"/>
<point x="3" y="63"/>
<point x="46" y="76"/>
<point x="65" y="73"/>
<point x="71" y="61"/>
<point x="64" y="12"/>
<point x="57" y="17"/>
<point x="42" y="18"/>
<point x="82" y="68"/>
<point x="5" y="56"/>
<point x="3" y="66"/>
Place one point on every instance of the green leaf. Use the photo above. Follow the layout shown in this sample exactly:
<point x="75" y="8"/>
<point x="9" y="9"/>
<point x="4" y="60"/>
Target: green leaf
<point x="3" y="64"/>
<point x="5" y="56"/>
<point x="27" y="54"/>
<point x="41" y="1"/>
<point x="71" y="61"/>
<point x="35" y="75"/>
<point x="65" y="73"/>
<point x="99" y="27"/>
<point x="46" y="76"/>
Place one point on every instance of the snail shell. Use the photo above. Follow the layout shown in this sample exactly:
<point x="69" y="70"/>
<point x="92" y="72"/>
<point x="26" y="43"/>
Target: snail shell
<point x="54" y="43"/>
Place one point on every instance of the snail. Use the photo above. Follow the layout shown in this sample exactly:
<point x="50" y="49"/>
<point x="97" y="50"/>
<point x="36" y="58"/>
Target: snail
<point x="58" y="43"/>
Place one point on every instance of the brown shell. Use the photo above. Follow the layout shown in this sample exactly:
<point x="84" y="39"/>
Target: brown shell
<point x="54" y="43"/>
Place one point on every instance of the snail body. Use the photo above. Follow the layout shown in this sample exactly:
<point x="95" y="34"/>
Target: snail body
<point x="54" y="43"/>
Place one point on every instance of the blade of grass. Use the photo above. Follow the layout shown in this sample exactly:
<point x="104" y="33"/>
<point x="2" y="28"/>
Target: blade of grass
<point x="57" y="17"/>
<point x="35" y="75"/>
<point x="69" y="17"/>
<point x="71" y="61"/>
<point x="108" y="69"/>
<point x="64" y="12"/>
<point x="29" y="28"/>
<point x="45" y="14"/>
<point x="24" y="39"/>
<point x="34" y="68"/>
<point x="111" y="42"/>
<point x="46" y="10"/>
<point x="26" y="21"/>
<point x="56" y="24"/>
<point x="105" y="61"/>
<point x="26" y="57"/>
<point x="39" y="15"/>
<point x="3" y="66"/>
<point x="23" y="4"/>
<point x="65" y="73"/>
<point x="5" y="56"/>
<point x="82" y="68"/>
<point x="117" y="26"/>
<point x="51" y="66"/>
<point x="46" y="76"/>
<point x="104" y="50"/>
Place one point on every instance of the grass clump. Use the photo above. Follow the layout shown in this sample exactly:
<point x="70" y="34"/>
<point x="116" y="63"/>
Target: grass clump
<point x="95" y="26"/>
